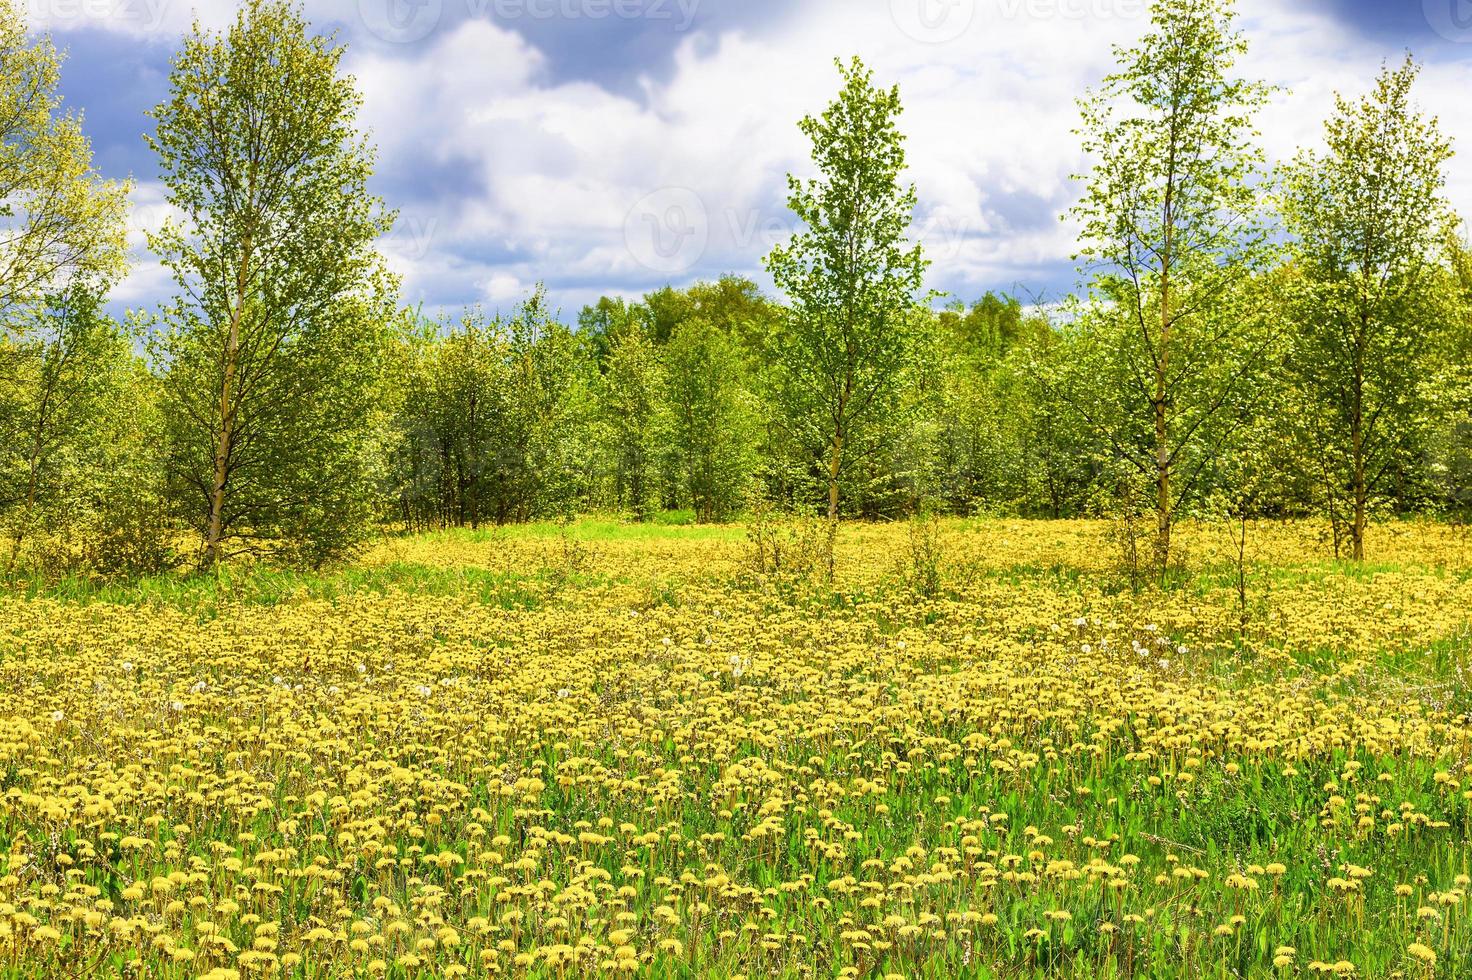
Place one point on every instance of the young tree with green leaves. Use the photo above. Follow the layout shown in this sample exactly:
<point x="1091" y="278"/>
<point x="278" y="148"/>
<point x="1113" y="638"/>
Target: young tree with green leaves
<point x="275" y="338"/>
<point x="852" y="276"/>
<point x="713" y="420"/>
<point x="1171" y="231"/>
<point x="77" y="433"/>
<point x="60" y="221"/>
<point x="492" y="419"/>
<point x="1451" y="396"/>
<point x="633" y="411"/>
<point x="62" y="242"/>
<point x="547" y="464"/>
<point x="1370" y="224"/>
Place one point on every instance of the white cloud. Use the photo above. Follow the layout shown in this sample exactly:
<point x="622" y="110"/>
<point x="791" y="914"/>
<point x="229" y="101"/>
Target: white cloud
<point x="990" y="115"/>
<point x="556" y="168"/>
<point x="505" y="174"/>
<point x="505" y="290"/>
<point x="147" y="279"/>
<point x="136" y="18"/>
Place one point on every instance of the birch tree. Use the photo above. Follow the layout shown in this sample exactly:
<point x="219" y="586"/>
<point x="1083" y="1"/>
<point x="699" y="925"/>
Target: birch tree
<point x="851" y="274"/>
<point x="1171" y="232"/>
<point x="1370" y="224"/>
<point x="274" y="336"/>
<point x="60" y="222"/>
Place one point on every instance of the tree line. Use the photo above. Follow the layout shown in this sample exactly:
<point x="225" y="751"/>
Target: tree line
<point x="1250" y="340"/>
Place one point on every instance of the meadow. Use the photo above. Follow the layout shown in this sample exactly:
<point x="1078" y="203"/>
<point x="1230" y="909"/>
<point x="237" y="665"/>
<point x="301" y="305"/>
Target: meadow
<point x="607" y="750"/>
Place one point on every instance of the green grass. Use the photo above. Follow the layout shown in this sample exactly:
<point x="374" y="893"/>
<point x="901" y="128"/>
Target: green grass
<point x="269" y="586"/>
<point x="665" y="525"/>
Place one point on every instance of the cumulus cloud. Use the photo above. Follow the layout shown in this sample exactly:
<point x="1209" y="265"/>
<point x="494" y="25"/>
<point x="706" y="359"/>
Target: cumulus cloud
<point x="147" y="280"/>
<point x="508" y="168"/>
<point x="573" y="183"/>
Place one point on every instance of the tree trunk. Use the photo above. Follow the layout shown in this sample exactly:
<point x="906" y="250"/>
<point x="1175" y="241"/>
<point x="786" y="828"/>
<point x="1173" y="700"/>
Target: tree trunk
<point x="1162" y="382"/>
<point x="1357" y="447"/>
<point x="225" y="445"/>
<point x="1361" y="492"/>
<point x="1163" y="515"/>
<point x="33" y="475"/>
<point x="835" y="462"/>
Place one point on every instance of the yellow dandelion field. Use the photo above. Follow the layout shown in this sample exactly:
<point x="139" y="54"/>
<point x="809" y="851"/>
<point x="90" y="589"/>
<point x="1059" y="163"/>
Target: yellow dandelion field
<point x="605" y="752"/>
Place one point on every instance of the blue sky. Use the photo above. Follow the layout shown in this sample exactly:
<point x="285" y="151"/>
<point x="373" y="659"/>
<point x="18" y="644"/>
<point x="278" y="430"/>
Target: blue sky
<point x="610" y="146"/>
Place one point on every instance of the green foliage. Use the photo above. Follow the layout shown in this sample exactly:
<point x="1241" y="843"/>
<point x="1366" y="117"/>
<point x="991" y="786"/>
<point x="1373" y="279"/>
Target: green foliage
<point x="986" y="430"/>
<point x="61" y="224"/>
<point x="713" y="419"/>
<point x="1165" y="359"/>
<point x="493" y="423"/>
<point x="1372" y="297"/>
<point x="736" y="307"/>
<point x="78" y="445"/>
<point x="1449" y="397"/>
<point x="633" y="423"/>
<point x="848" y="345"/>
<point x="274" y="340"/>
<point x="288" y="407"/>
<point x="70" y="388"/>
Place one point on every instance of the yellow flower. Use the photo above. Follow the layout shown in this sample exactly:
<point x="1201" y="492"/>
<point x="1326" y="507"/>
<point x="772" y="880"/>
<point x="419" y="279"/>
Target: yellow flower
<point x="1423" y="953"/>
